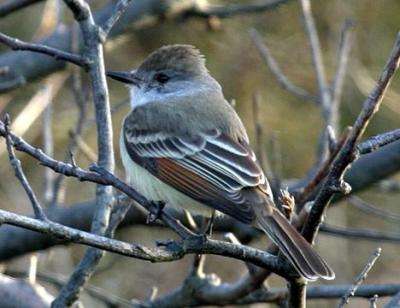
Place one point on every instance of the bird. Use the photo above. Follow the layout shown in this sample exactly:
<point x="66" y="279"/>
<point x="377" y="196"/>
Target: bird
<point x="184" y="144"/>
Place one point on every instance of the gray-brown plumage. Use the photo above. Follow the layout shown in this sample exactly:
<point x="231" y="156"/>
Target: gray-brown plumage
<point x="183" y="143"/>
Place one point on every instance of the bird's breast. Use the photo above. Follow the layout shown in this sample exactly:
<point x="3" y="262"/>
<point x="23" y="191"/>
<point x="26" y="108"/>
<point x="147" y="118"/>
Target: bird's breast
<point x="154" y="189"/>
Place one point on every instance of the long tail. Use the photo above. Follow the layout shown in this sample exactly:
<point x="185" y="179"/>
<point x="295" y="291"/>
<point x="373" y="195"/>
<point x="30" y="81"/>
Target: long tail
<point x="300" y="253"/>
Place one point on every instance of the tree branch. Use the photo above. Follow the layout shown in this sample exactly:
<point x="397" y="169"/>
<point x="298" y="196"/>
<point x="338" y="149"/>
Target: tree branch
<point x="360" y="278"/>
<point x="340" y="74"/>
<point x="324" y="95"/>
<point x="347" y="154"/>
<point x="367" y="234"/>
<point x="378" y="141"/>
<point x="373" y="210"/>
<point x="319" y="292"/>
<point x="93" y="50"/>
<point x="271" y="63"/>
<point x="19" y="173"/>
<point x="165" y="252"/>
<point x="57" y="54"/>
<point x="118" y="10"/>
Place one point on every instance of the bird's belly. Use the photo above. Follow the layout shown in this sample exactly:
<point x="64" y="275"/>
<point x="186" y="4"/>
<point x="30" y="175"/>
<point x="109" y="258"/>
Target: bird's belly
<point x="154" y="189"/>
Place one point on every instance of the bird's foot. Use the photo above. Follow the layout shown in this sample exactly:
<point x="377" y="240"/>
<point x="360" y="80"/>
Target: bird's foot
<point x="153" y="216"/>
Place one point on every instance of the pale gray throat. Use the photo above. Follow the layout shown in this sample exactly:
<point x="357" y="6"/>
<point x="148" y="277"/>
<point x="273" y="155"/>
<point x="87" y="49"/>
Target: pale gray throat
<point x="142" y="95"/>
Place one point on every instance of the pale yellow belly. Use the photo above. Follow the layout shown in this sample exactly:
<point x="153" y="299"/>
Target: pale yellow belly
<point x="154" y="189"/>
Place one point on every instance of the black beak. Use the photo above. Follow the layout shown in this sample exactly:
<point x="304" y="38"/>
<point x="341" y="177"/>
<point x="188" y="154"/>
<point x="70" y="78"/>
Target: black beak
<point x="125" y="77"/>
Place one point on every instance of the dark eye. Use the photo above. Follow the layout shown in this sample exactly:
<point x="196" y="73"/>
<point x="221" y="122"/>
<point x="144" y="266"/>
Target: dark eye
<point x="161" y="77"/>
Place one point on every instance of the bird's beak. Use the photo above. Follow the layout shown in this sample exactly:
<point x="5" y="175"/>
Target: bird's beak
<point x="125" y="77"/>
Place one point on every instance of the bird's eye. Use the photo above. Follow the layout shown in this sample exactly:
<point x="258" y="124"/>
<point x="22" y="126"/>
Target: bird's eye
<point x="161" y="77"/>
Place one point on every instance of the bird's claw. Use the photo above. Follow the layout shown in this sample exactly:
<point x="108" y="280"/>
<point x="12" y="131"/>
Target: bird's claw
<point x="153" y="216"/>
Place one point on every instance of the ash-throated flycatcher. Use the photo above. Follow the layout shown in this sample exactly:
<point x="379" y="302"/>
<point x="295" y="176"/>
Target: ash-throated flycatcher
<point x="184" y="144"/>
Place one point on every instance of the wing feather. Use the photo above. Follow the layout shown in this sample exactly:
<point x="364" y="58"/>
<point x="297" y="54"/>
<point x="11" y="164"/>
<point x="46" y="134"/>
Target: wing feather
<point x="209" y="167"/>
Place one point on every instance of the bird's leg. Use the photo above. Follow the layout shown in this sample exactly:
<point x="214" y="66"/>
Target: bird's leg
<point x="210" y="224"/>
<point x="153" y="216"/>
<point x="192" y="223"/>
<point x="205" y="232"/>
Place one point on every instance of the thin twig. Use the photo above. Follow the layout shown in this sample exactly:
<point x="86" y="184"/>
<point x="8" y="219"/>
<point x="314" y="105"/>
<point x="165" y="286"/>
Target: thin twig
<point x="48" y="148"/>
<point x="81" y="101"/>
<point x="57" y="54"/>
<point x="347" y="155"/>
<point x="340" y="74"/>
<point x="119" y="9"/>
<point x="358" y="233"/>
<point x="19" y="173"/>
<point x="324" y="95"/>
<point x="332" y="142"/>
<point x="360" y="278"/>
<point x="378" y="141"/>
<point x="370" y="209"/>
<point x="320" y="292"/>
<point x="271" y="63"/>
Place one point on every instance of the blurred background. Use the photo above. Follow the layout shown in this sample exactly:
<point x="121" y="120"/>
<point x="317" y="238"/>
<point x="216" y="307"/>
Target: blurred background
<point x="234" y="61"/>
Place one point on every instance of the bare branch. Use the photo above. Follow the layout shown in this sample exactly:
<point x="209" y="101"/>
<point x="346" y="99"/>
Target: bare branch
<point x="19" y="173"/>
<point x="57" y="54"/>
<point x="347" y="155"/>
<point x="48" y="147"/>
<point x="319" y="292"/>
<point x="169" y="251"/>
<point x="340" y="74"/>
<point x="104" y="198"/>
<point x="271" y="63"/>
<point x="370" y="209"/>
<point x="119" y="9"/>
<point x="265" y="295"/>
<point x="378" y="141"/>
<point x="309" y="25"/>
<point x="366" y="234"/>
<point x="324" y="95"/>
<point x="360" y="279"/>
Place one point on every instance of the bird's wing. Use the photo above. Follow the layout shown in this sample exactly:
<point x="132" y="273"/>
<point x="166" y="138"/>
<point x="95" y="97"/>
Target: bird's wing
<point x="209" y="167"/>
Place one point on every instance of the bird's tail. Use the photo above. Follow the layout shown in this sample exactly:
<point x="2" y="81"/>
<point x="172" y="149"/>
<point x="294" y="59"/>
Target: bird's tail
<point x="293" y="245"/>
